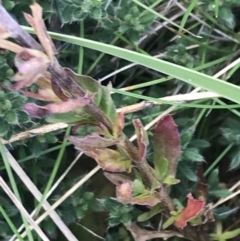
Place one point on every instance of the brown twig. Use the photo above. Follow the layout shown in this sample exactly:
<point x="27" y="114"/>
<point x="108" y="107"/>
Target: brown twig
<point x="140" y="234"/>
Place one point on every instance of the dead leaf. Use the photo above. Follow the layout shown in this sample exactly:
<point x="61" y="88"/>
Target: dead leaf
<point x="118" y="124"/>
<point x="8" y="45"/>
<point x="37" y="23"/>
<point x="142" y="139"/>
<point x="92" y="142"/>
<point x="4" y="33"/>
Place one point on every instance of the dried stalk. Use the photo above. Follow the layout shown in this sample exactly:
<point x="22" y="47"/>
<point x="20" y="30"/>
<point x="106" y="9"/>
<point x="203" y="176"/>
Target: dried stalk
<point x="38" y="195"/>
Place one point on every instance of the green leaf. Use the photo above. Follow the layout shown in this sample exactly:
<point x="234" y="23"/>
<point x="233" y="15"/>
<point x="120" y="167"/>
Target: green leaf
<point x="187" y="172"/>
<point x="231" y="131"/>
<point x="18" y="102"/>
<point x="137" y="187"/>
<point x="147" y="215"/>
<point x="213" y="179"/>
<point x="235" y="162"/>
<point x="6" y="105"/>
<point x="9" y="133"/>
<point x="226" y="235"/>
<point x="126" y="218"/>
<point x="50" y="228"/>
<point x="11" y="117"/>
<point x="67" y="14"/>
<point x="35" y="147"/>
<point x="88" y="196"/>
<point x="169" y="222"/>
<point x="161" y="168"/>
<point x="171" y="180"/>
<point x="84" y="207"/>
<point x="123" y="28"/>
<point x="192" y="155"/>
<point x="80" y="213"/>
<point x="147" y="18"/>
<point x="114" y="221"/>
<point x="201" y="144"/>
<point x="50" y="138"/>
<point x="220" y="193"/>
<point x="23" y="117"/>
<point x="3" y="127"/>
<point x="225" y="13"/>
<point x="96" y="13"/>
<point x="103" y="100"/>
<point x="8" y="5"/>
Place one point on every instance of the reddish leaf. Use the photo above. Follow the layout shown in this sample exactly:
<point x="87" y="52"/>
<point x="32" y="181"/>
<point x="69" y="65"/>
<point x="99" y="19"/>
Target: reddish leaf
<point x="166" y="146"/>
<point x="92" y="142"/>
<point x="142" y="139"/>
<point x="194" y="207"/>
<point x="110" y="160"/>
<point x="58" y="107"/>
<point x="124" y="193"/>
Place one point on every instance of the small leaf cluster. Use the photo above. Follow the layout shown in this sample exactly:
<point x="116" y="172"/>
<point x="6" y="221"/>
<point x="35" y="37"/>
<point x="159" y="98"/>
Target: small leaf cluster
<point x="87" y="202"/>
<point x="118" y="212"/>
<point x="191" y="148"/>
<point x="11" y="113"/>
<point x="180" y="55"/>
<point x="128" y="19"/>
<point x="225" y="14"/>
<point x="5" y="69"/>
<point x="11" y="211"/>
<point x="231" y="136"/>
<point x="74" y="10"/>
<point x="41" y="142"/>
<point x="78" y="204"/>
<point x="124" y="17"/>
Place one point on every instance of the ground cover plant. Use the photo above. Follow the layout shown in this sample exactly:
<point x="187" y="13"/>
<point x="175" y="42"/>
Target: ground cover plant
<point x="119" y="120"/>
